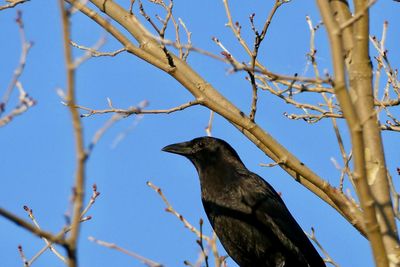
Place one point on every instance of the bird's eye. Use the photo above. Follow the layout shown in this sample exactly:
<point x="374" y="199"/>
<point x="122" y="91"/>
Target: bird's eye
<point x="200" y="145"/>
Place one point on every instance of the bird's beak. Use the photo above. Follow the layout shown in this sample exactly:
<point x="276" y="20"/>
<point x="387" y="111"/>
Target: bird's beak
<point x="179" y="148"/>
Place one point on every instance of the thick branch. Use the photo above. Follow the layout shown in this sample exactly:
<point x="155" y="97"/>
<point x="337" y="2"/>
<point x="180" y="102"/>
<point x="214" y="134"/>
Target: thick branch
<point x="356" y="131"/>
<point x="130" y="47"/>
<point x="360" y="74"/>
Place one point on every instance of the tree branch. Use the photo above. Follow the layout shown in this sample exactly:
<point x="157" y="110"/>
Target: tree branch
<point x="145" y="261"/>
<point x="134" y="110"/>
<point x="59" y="239"/>
<point x="360" y="75"/>
<point x="356" y="132"/>
<point x="13" y="4"/>
<point x="79" y="143"/>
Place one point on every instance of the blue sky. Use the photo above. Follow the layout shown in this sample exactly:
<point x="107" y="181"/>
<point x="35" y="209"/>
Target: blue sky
<point x="38" y="150"/>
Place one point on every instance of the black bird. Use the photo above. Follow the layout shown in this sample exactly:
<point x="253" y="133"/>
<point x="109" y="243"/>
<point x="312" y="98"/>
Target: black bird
<point x="248" y="216"/>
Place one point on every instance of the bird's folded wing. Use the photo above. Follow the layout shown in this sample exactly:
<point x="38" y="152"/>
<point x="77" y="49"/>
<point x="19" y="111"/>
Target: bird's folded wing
<point x="271" y="212"/>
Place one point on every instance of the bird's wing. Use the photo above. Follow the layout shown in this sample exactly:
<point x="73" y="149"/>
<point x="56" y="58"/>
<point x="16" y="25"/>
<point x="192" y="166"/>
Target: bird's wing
<point x="271" y="212"/>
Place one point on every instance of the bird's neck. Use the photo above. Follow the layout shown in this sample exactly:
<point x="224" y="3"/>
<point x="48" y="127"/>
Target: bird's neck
<point x="221" y="176"/>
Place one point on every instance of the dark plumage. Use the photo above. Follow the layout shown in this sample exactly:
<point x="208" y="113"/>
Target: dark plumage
<point x="248" y="216"/>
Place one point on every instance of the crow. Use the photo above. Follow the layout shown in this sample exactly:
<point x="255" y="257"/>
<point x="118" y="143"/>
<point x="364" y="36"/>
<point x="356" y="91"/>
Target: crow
<point x="247" y="214"/>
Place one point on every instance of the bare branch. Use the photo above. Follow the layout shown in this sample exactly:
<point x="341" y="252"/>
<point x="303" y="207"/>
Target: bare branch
<point x="146" y="261"/>
<point x="131" y="48"/>
<point x="26" y="46"/>
<point x="92" y="51"/>
<point x="327" y="259"/>
<point x="395" y="196"/>
<point x="48" y="244"/>
<point x="79" y="143"/>
<point x="254" y="98"/>
<point x="354" y="125"/>
<point x="59" y="239"/>
<point x="170" y="209"/>
<point x="201" y="244"/>
<point x="210" y="122"/>
<point x="312" y="118"/>
<point x="357" y="16"/>
<point x="22" y="255"/>
<point x="100" y="132"/>
<point x="273" y="164"/>
<point x="25" y="102"/>
<point x="12" y="4"/>
<point x="67" y="229"/>
<point x="134" y="110"/>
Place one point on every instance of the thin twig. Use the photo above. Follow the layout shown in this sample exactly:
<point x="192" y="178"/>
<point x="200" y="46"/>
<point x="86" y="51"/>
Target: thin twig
<point x="395" y="196"/>
<point x="357" y="16"/>
<point x="258" y="38"/>
<point x="93" y="51"/>
<point x="273" y="164"/>
<point x="58" y="239"/>
<point x="48" y="244"/>
<point x="161" y="32"/>
<point x="146" y="261"/>
<point x="25" y="102"/>
<point x="22" y="255"/>
<point x="210" y="123"/>
<point x="26" y="46"/>
<point x="132" y="110"/>
<point x="227" y="58"/>
<point x="384" y="61"/>
<point x="170" y="209"/>
<point x="46" y="247"/>
<point x="254" y="97"/>
<point x="327" y="257"/>
<point x="65" y="230"/>
<point x="131" y="48"/>
<point x="188" y="47"/>
<point x="189" y="40"/>
<point x="101" y="131"/>
<point x="278" y="77"/>
<point x="201" y="244"/>
<point x="125" y="133"/>
<point x="218" y="260"/>
<point x="346" y="170"/>
<point x="329" y="103"/>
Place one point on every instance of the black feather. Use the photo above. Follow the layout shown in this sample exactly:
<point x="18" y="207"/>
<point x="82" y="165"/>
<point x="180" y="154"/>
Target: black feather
<point x="248" y="216"/>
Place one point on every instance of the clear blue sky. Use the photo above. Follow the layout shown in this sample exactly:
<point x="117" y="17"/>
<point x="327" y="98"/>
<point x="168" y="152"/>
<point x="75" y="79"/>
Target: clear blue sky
<point x="37" y="150"/>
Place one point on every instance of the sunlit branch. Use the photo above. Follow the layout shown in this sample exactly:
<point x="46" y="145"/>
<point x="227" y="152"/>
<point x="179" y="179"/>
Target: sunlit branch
<point x="146" y="261"/>
<point x="133" y="110"/>
<point x="59" y="239"/>
<point x="12" y="4"/>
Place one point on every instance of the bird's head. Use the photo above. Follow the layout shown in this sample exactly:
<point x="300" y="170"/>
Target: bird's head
<point x="205" y="151"/>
